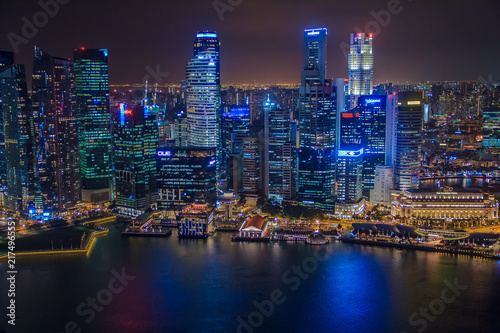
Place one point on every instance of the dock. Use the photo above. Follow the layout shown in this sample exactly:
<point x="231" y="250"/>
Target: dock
<point x="160" y="233"/>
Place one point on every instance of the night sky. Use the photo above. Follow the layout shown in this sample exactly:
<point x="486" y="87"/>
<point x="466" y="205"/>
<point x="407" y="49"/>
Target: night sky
<point x="261" y="40"/>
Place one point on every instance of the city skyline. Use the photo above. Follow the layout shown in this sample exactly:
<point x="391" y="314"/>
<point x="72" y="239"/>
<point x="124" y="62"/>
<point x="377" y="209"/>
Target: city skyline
<point x="437" y="46"/>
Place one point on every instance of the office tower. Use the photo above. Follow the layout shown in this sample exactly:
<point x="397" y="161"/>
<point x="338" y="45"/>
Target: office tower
<point x="251" y="167"/>
<point x="408" y="139"/>
<point x="384" y="183"/>
<point x="6" y="62"/>
<point x="349" y="181"/>
<point x="94" y="123"/>
<point x="317" y="121"/>
<point x="135" y="145"/>
<point x="181" y="129"/>
<point x="315" y="54"/>
<point x="280" y="153"/>
<point x="185" y="175"/>
<point x="56" y="143"/>
<point x="17" y="131"/>
<point x="360" y="67"/>
<point x="235" y="125"/>
<point x="203" y="92"/>
<point x="373" y="116"/>
<point x="350" y="128"/>
<point x="341" y="89"/>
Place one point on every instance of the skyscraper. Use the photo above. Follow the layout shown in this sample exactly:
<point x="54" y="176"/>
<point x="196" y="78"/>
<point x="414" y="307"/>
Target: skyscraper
<point x="235" y="125"/>
<point x="408" y="137"/>
<point x="57" y="150"/>
<point x="373" y="116"/>
<point x="251" y="167"/>
<point x="360" y="67"/>
<point x="135" y="146"/>
<point x="350" y="181"/>
<point x="317" y="125"/>
<point x="17" y="130"/>
<point x="6" y="62"/>
<point x="203" y="92"/>
<point x="94" y="122"/>
<point x="280" y="154"/>
<point x="315" y="54"/>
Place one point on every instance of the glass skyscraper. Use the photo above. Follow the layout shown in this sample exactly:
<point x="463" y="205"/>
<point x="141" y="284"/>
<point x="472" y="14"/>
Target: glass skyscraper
<point x="235" y="125"/>
<point x="350" y="181"/>
<point x="17" y="131"/>
<point x="94" y="122"/>
<point x="408" y="137"/>
<point x="203" y="92"/>
<point x="135" y="146"/>
<point x="360" y="67"/>
<point x="317" y="125"/>
<point x="6" y="62"/>
<point x="57" y="150"/>
<point x="373" y="116"/>
<point x="280" y="153"/>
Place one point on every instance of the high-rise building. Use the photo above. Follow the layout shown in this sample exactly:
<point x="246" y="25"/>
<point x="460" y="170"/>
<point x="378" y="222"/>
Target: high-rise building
<point x="135" y="146"/>
<point x="56" y="144"/>
<point x="6" y="62"/>
<point x="360" y="66"/>
<point x="317" y="125"/>
<point x="408" y="140"/>
<point x="349" y="181"/>
<point x="94" y="123"/>
<point x="373" y="116"/>
<point x="280" y="153"/>
<point x="315" y="55"/>
<point x="491" y="129"/>
<point x="185" y="175"/>
<point x="17" y="132"/>
<point x="251" y="166"/>
<point x="384" y="183"/>
<point x="235" y="125"/>
<point x="203" y="92"/>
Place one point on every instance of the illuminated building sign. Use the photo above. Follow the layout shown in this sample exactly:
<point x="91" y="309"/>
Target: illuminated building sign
<point x="313" y="33"/>
<point x="164" y="153"/>
<point x="212" y="162"/>
<point x="206" y="35"/>
<point x="350" y="115"/>
<point x="350" y="153"/>
<point x="414" y="102"/>
<point x="373" y="101"/>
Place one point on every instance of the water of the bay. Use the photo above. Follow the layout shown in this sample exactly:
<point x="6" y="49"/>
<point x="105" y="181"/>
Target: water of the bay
<point x="206" y="285"/>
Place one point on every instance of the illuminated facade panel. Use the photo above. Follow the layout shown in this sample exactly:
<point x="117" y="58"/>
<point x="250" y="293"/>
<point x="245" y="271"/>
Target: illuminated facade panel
<point x="360" y="69"/>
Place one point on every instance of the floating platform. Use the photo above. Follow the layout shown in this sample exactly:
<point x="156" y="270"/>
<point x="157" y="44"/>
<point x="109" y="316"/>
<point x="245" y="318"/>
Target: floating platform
<point x="146" y="234"/>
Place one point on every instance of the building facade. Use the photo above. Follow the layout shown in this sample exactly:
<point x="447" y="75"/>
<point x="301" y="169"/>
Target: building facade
<point x="56" y="128"/>
<point x="194" y="221"/>
<point x="185" y="175"/>
<point x="360" y="66"/>
<point x="446" y="204"/>
<point x="135" y="146"/>
<point x="94" y="124"/>
<point x="350" y="199"/>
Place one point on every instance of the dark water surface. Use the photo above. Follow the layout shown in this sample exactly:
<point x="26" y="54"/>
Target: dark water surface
<point x="205" y="286"/>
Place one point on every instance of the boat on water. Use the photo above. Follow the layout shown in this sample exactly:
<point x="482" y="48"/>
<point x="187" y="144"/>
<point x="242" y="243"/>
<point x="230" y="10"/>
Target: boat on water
<point x="317" y="238"/>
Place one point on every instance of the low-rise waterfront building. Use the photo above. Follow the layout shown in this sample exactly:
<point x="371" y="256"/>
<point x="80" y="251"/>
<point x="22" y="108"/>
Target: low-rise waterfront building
<point x="194" y="221"/>
<point x="445" y="204"/>
<point x="256" y="226"/>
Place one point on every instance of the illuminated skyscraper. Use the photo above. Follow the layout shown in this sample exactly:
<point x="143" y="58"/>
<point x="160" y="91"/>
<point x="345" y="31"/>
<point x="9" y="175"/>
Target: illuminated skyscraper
<point x="94" y="122"/>
<point x="408" y="137"/>
<point x="315" y="53"/>
<point x="57" y="151"/>
<point x="350" y="181"/>
<point x="235" y="125"/>
<point x="317" y="125"/>
<point x="203" y="92"/>
<point x="360" y="67"/>
<point x="17" y="129"/>
<point x="6" y="61"/>
<point x="373" y="116"/>
<point x="135" y="146"/>
<point x="280" y="164"/>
